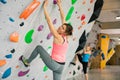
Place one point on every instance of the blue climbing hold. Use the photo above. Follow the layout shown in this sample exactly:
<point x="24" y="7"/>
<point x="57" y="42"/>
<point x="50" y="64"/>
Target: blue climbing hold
<point x="11" y="19"/>
<point x="9" y="56"/>
<point x="103" y="36"/>
<point x="3" y="1"/>
<point x="6" y="73"/>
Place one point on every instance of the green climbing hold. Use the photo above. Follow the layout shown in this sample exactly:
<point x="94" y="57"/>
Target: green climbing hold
<point x="28" y="36"/>
<point x="73" y="1"/>
<point x="69" y="13"/>
<point x="27" y="75"/>
<point x="49" y="47"/>
<point x="45" y="68"/>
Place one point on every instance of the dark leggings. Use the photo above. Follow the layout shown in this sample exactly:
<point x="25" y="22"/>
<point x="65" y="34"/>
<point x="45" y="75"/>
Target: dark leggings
<point x="84" y="64"/>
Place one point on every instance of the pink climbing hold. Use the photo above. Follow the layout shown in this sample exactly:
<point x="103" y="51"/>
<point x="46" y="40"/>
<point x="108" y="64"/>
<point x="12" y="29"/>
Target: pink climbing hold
<point x="40" y="28"/>
<point x="23" y="73"/>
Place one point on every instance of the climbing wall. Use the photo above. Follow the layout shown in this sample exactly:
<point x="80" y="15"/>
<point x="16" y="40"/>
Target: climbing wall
<point x="23" y="26"/>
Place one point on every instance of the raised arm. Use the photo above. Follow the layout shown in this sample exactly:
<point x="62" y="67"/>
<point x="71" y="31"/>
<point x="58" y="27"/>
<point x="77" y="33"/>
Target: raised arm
<point x="50" y="24"/>
<point x="61" y="11"/>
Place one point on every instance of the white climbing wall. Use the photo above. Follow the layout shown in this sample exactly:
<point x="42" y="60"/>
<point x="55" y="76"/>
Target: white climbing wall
<point x="33" y="31"/>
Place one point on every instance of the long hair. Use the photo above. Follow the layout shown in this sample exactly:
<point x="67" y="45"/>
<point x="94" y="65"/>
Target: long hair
<point x="69" y="29"/>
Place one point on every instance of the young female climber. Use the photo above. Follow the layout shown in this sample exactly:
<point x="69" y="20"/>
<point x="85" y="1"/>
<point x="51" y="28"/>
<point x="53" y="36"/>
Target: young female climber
<point x="84" y="59"/>
<point x="56" y="61"/>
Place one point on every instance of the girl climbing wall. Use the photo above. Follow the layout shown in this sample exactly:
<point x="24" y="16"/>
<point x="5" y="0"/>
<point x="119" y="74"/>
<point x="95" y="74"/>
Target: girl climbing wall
<point x="56" y="61"/>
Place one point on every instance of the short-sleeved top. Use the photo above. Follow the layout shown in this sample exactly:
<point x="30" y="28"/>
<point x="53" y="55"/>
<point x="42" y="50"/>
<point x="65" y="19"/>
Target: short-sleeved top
<point x="85" y="57"/>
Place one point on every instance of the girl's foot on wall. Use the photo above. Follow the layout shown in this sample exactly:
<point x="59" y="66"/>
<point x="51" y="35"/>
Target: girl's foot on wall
<point x="24" y="61"/>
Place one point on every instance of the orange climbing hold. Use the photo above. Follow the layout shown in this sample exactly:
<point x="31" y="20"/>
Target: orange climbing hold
<point x="2" y="62"/>
<point x="30" y="8"/>
<point x="14" y="37"/>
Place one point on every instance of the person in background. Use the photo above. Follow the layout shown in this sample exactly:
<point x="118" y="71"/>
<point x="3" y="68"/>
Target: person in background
<point x="56" y="61"/>
<point x="84" y="59"/>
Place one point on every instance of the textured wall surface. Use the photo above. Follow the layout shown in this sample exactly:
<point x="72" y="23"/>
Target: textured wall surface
<point x="33" y="31"/>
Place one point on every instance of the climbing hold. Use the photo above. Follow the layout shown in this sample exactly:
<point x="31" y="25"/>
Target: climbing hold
<point x="103" y="36"/>
<point x="49" y="47"/>
<point x="91" y="1"/>
<point x="9" y="56"/>
<point x="23" y="73"/>
<point x="28" y="36"/>
<point x="45" y="68"/>
<point x="17" y="66"/>
<point x="89" y="9"/>
<point x="78" y="68"/>
<point x="11" y="19"/>
<point x="74" y="38"/>
<point x="12" y="51"/>
<point x="79" y="28"/>
<point x="41" y="41"/>
<point x="73" y="1"/>
<point x="83" y="17"/>
<point x="30" y="8"/>
<point x="84" y="2"/>
<point x="46" y="76"/>
<point x="54" y="1"/>
<point x="3" y="1"/>
<point x="27" y="75"/>
<point x="2" y="62"/>
<point x="83" y="23"/>
<point x="14" y="37"/>
<point x="74" y="72"/>
<point x="69" y="14"/>
<point x="7" y="73"/>
<point x="54" y="21"/>
<point x="40" y="28"/>
<point x="49" y="35"/>
<point x="22" y="23"/>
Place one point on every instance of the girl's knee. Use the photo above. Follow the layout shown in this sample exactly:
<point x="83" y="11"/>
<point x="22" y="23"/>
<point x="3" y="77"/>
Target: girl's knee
<point x="38" y="46"/>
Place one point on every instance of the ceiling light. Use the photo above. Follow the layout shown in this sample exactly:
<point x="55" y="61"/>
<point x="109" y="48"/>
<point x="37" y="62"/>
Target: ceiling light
<point x="118" y="17"/>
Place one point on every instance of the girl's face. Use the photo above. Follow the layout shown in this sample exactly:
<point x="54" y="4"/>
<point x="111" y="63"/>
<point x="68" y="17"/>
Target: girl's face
<point x="62" y="29"/>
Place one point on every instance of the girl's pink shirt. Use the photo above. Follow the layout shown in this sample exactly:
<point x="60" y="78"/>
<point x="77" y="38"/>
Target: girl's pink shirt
<point x="59" y="51"/>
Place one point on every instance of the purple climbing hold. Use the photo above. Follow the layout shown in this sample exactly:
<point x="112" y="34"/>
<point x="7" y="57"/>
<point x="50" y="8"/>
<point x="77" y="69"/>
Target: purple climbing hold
<point x="20" y="57"/>
<point x="54" y="1"/>
<point x="23" y="73"/>
<point x="49" y="35"/>
<point x="41" y="41"/>
<point x="40" y="28"/>
<point x="54" y="21"/>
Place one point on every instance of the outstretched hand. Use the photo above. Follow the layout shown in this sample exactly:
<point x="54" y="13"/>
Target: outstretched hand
<point x="45" y="3"/>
